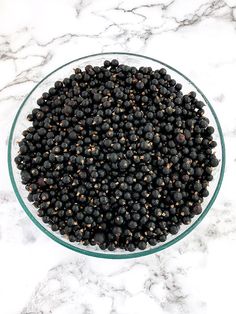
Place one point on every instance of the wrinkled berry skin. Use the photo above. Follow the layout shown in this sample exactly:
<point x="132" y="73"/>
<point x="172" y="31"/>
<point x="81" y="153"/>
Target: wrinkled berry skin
<point x="117" y="156"/>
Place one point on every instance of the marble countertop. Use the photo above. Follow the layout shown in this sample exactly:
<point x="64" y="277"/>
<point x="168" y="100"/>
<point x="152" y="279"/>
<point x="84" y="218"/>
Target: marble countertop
<point x="198" y="274"/>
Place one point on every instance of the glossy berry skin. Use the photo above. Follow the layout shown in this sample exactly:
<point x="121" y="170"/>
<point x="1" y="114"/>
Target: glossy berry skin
<point x="117" y="156"/>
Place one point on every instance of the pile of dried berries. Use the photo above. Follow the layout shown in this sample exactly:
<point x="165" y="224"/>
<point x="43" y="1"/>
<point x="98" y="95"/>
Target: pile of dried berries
<point x="117" y="156"/>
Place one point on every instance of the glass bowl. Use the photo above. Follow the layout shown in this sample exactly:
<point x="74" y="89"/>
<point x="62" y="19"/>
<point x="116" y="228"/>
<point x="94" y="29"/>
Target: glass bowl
<point x="20" y="123"/>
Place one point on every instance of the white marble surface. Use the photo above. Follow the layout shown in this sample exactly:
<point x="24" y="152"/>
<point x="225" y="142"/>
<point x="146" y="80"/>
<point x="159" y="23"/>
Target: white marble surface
<point x="197" y="275"/>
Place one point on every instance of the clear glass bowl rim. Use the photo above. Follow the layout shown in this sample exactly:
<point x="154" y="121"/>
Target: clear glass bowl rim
<point x="117" y="255"/>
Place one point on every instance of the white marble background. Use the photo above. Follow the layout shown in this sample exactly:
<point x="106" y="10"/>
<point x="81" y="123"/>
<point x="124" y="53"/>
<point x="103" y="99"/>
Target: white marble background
<point x="197" y="275"/>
